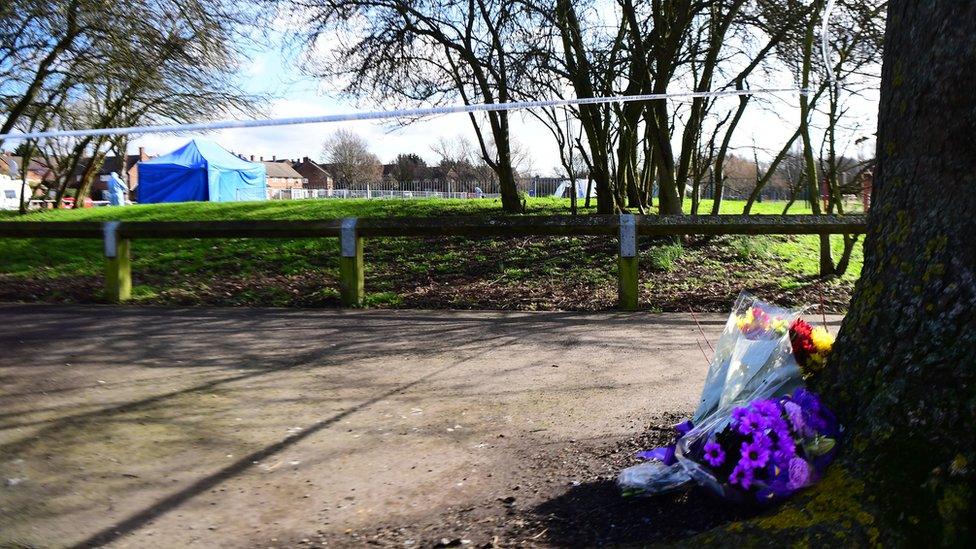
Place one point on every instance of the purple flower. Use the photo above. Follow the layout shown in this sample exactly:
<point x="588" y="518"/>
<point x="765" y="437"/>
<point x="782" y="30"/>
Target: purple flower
<point x="785" y="443"/>
<point x="754" y="454"/>
<point x="778" y="424"/>
<point x="714" y="454"/>
<point x="738" y="414"/>
<point x="762" y="440"/>
<point x="751" y="423"/>
<point x="807" y="400"/>
<point x="799" y="473"/>
<point x="767" y="408"/>
<point x="782" y="431"/>
<point x="813" y="411"/>
<point x="781" y="459"/>
<point x="795" y="413"/>
<point x="741" y="475"/>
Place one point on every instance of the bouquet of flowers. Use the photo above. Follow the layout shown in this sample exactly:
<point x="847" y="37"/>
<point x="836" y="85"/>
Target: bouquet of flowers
<point x="757" y="432"/>
<point x="766" y="450"/>
<point x="810" y="345"/>
<point x="753" y="357"/>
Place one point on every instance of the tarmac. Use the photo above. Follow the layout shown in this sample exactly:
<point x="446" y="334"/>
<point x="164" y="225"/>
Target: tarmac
<point x="237" y="427"/>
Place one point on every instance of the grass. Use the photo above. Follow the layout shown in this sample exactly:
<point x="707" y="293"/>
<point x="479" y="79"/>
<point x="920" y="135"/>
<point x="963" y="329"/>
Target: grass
<point x="294" y="210"/>
<point x="525" y="273"/>
<point x="663" y="256"/>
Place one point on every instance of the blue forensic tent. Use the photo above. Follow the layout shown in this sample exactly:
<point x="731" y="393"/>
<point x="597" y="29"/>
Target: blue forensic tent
<point x="201" y="171"/>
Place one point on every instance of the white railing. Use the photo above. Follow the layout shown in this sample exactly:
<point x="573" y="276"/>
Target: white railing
<point x="300" y="194"/>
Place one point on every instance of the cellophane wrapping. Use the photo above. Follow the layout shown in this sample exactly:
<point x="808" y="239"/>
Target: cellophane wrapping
<point x="787" y="440"/>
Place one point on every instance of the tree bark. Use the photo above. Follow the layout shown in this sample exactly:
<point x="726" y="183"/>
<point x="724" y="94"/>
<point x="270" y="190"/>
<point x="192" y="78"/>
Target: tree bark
<point x="903" y="374"/>
<point x="902" y="377"/>
<point x="591" y="118"/>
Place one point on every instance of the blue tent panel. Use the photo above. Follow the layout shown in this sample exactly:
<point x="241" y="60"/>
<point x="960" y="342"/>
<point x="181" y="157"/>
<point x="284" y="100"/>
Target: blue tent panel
<point x="201" y="170"/>
<point x="167" y="183"/>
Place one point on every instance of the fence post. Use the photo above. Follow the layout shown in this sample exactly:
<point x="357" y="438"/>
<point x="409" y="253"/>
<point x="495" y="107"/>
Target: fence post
<point x="118" y="265"/>
<point x="351" y="279"/>
<point x="627" y="263"/>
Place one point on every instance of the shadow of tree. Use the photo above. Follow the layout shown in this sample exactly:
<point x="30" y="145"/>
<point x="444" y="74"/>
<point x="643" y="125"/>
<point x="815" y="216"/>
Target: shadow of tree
<point x="595" y="513"/>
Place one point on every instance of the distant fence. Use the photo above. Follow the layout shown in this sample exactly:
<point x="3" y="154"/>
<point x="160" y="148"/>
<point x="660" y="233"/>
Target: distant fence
<point x="534" y="187"/>
<point x="304" y="194"/>
<point x="118" y="236"/>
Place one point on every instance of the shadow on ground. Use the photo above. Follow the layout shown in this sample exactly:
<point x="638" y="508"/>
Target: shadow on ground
<point x="595" y="513"/>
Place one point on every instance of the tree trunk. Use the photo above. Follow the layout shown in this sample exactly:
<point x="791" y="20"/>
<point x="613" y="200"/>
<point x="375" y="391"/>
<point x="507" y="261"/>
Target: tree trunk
<point x="826" y="262"/>
<point x="511" y="201"/>
<point x="724" y="149"/>
<point x="580" y="73"/>
<point x="903" y="375"/>
<point x="26" y="193"/>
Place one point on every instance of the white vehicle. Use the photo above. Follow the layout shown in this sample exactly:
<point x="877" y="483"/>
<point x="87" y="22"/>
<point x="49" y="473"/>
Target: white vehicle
<point x="9" y="193"/>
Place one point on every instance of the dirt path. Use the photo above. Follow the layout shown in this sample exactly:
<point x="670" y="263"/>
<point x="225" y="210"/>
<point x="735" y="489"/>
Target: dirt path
<point x="264" y="427"/>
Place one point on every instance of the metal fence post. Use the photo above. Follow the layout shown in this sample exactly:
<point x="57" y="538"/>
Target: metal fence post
<point x="118" y="264"/>
<point x="351" y="272"/>
<point x="627" y="263"/>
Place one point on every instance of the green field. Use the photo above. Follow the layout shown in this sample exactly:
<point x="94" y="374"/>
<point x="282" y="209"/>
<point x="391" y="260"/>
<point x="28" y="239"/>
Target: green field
<point x="514" y="273"/>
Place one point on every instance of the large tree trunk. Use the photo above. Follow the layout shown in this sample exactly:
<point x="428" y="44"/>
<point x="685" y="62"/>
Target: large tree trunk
<point x="903" y="375"/>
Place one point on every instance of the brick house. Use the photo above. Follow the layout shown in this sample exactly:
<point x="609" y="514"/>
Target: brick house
<point x="111" y="164"/>
<point x="315" y="174"/>
<point x="38" y="171"/>
<point x="282" y="176"/>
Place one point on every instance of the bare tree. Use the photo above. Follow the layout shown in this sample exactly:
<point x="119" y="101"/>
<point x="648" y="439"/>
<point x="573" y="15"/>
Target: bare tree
<point x="350" y="162"/>
<point x="431" y="52"/>
<point x="76" y="64"/>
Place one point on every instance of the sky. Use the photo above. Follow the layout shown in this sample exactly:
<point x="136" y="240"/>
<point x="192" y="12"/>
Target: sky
<point x="275" y="71"/>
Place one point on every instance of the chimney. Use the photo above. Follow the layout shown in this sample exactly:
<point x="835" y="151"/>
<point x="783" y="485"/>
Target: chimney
<point x="142" y="152"/>
<point x="252" y="158"/>
<point x="274" y="158"/>
<point x="305" y="160"/>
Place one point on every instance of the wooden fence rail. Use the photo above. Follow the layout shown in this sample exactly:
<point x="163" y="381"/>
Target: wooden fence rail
<point x="117" y="236"/>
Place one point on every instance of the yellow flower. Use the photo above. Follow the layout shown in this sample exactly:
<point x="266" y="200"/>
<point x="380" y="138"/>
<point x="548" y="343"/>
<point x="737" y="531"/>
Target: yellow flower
<point x="745" y="320"/>
<point x="779" y="325"/>
<point x="822" y="340"/>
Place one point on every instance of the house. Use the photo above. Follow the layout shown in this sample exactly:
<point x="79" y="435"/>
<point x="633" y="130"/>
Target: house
<point x="281" y="175"/>
<point x="109" y="165"/>
<point x="38" y="171"/>
<point x="315" y="174"/>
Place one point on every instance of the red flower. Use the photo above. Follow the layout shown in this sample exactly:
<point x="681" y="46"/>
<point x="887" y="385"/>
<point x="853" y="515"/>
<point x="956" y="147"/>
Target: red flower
<point x="803" y="345"/>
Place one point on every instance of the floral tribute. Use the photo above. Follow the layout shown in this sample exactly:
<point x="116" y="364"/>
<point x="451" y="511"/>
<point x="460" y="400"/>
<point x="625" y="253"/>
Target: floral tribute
<point x="770" y="448"/>
<point x="810" y="346"/>
<point x="758" y="434"/>
<point x="756" y="323"/>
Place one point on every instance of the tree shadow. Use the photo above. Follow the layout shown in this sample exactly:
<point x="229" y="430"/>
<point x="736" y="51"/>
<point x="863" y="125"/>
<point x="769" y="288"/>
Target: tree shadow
<point x="595" y="513"/>
<point x="147" y="514"/>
